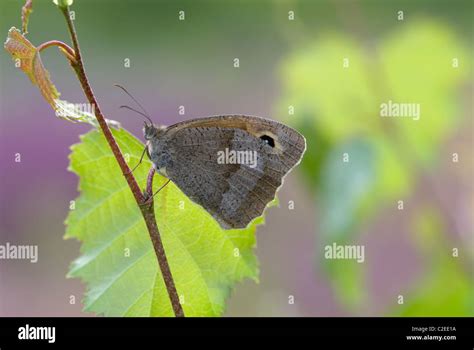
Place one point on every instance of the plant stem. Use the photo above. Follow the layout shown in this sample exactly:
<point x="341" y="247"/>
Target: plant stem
<point x="68" y="51"/>
<point x="149" y="214"/>
<point x="146" y="210"/>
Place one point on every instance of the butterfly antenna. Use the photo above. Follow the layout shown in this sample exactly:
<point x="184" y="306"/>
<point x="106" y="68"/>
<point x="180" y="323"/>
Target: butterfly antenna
<point x="145" y="113"/>
<point x="136" y="111"/>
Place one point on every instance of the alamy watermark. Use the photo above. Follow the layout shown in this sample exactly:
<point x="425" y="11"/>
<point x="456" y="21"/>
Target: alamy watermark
<point x="227" y="156"/>
<point x="403" y="110"/>
<point x="21" y="252"/>
<point x="66" y="109"/>
<point x="345" y="252"/>
<point x="37" y="333"/>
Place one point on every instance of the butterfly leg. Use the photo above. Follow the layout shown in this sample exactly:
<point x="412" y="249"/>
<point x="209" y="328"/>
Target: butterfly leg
<point x="148" y="201"/>
<point x="139" y="162"/>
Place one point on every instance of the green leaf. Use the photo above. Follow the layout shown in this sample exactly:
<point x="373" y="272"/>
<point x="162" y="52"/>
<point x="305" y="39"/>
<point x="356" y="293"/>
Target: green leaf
<point x="118" y="262"/>
<point x="345" y="187"/>
<point x="433" y="46"/>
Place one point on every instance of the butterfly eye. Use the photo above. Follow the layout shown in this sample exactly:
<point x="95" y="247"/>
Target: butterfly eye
<point x="268" y="140"/>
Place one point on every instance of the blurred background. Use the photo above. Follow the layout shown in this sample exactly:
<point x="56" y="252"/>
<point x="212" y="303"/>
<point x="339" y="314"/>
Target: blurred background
<point x="326" y="72"/>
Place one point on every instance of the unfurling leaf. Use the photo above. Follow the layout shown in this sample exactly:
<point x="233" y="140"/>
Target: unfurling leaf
<point x="21" y="50"/>
<point x="25" y="15"/>
<point x="118" y="261"/>
<point x="28" y="59"/>
<point x="24" y="52"/>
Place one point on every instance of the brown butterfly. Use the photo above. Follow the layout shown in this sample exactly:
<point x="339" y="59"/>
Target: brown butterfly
<point x="231" y="165"/>
<point x="233" y="189"/>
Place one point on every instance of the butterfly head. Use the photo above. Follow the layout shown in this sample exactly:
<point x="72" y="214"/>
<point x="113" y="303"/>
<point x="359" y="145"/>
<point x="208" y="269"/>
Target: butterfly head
<point x="151" y="131"/>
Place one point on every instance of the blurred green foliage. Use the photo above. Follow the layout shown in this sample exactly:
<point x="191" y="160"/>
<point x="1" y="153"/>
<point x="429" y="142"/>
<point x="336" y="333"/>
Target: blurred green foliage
<point x="446" y="290"/>
<point x="338" y="109"/>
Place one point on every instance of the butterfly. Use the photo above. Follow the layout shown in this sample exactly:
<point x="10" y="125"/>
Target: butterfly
<point x="236" y="190"/>
<point x="231" y="165"/>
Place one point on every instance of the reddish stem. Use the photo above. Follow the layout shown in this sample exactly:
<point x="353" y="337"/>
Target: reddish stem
<point x="67" y="49"/>
<point x="146" y="208"/>
<point x="149" y="213"/>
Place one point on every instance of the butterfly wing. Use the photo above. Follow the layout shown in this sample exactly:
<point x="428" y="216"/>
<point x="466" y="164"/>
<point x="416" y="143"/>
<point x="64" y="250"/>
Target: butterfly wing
<point x="234" y="194"/>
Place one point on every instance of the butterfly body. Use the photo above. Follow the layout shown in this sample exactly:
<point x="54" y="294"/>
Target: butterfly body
<point x="230" y="165"/>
